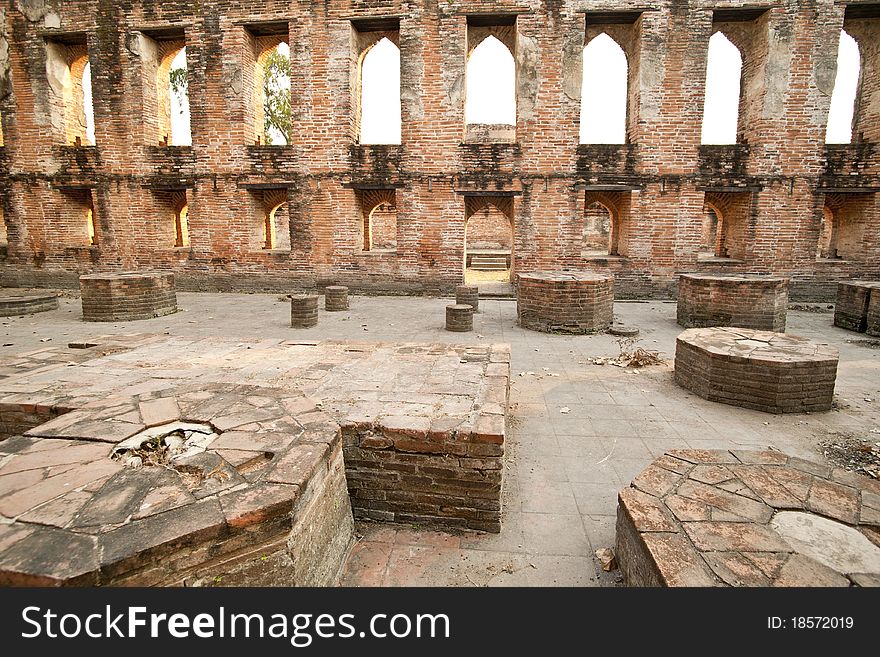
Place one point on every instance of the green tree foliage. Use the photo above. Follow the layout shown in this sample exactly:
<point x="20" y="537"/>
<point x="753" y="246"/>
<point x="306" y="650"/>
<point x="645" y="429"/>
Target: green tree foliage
<point x="276" y="96"/>
<point x="179" y="84"/>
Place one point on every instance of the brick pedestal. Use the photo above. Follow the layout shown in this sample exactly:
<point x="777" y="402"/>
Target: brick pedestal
<point x="757" y="302"/>
<point x="303" y="310"/>
<point x="858" y="306"/>
<point x="127" y="296"/>
<point x="26" y="302"/>
<point x="459" y="317"/>
<point x="706" y="517"/>
<point x="771" y="372"/>
<point x="335" y="298"/>
<point x="565" y="303"/>
<point x="468" y="295"/>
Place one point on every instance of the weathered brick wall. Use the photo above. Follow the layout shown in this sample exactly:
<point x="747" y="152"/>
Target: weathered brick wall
<point x="782" y="167"/>
<point x="747" y="302"/>
<point x="128" y="296"/>
<point x="565" y="303"/>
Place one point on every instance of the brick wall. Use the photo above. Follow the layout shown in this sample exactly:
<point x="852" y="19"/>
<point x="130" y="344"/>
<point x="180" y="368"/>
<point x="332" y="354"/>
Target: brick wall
<point x="784" y="168"/>
<point x="758" y="303"/>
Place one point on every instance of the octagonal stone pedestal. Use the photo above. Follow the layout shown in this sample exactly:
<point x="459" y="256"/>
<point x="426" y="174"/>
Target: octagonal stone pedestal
<point x="770" y="372"/>
<point x="26" y="302"/>
<point x="263" y="503"/>
<point x="757" y="302"/>
<point x="748" y="518"/>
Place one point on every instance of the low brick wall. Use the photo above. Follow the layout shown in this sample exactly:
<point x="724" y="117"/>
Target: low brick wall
<point x="446" y="473"/>
<point x="565" y="303"/>
<point x="127" y="296"/>
<point x="770" y="372"/>
<point x="26" y="303"/>
<point x="858" y="306"/>
<point x="757" y="302"/>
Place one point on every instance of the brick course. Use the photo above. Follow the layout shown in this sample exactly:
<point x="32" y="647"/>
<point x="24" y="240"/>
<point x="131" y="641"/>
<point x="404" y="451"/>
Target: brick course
<point x="746" y="302"/>
<point x="127" y="296"/>
<point x="781" y="168"/>
<point x="26" y="304"/>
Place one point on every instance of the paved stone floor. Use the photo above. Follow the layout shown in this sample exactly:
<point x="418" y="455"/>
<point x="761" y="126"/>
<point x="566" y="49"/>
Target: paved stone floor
<point x="579" y="431"/>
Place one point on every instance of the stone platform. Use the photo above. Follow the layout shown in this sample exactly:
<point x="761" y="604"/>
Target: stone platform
<point x="573" y="303"/>
<point x="757" y="302"/>
<point x="15" y="301"/>
<point x="858" y="306"/>
<point x="764" y="371"/>
<point x="118" y="297"/>
<point x="743" y="518"/>
<point x="417" y="429"/>
<point x="264" y="502"/>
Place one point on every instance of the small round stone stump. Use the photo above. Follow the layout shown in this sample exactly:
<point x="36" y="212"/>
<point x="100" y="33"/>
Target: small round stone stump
<point x="335" y="298"/>
<point x="127" y="296"/>
<point x="705" y="517"/>
<point x="755" y="302"/>
<point x="468" y="295"/>
<point x="303" y="310"/>
<point x="26" y="302"/>
<point x="459" y="317"/>
<point x="574" y="303"/>
<point x="764" y="371"/>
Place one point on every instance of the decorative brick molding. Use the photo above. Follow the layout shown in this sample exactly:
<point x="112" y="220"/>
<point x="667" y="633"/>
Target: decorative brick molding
<point x="127" y="296"/>
<point x="757" y="302"/>
<point x="771" y="372"/>
<point x="26" y="302"/>
<point x="723" y="518"/>
<point x="858" y="306"/>
<point x="565" y="303"/>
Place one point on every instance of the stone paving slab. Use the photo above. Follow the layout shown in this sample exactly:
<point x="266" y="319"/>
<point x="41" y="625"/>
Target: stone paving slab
<point x="746" y="518"/>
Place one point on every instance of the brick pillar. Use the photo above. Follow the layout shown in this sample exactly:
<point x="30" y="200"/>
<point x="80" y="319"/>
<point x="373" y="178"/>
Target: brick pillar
<point x="335" y="298"/>
<point x="468" y="295"/>
<point x="303" y="310"/>
<point x="459" y="317"/>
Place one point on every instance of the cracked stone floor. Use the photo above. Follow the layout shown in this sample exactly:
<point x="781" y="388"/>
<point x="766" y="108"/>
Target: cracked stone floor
<point x="579" y="431"/>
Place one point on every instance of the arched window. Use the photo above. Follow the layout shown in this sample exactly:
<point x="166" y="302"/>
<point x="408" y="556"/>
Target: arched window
<point x="379" y="210"/>
<point x="173" y="94"/>
<point x="598" y="220"/>
<point x="272" y="79"/>
<point x="490" y="84"/>
<point x="603" y="92"/>
<point x="181" y="226"/>
<point x="843" y="99"/>
<point x="380" y="94"/>
<point x="721" y="105"/>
